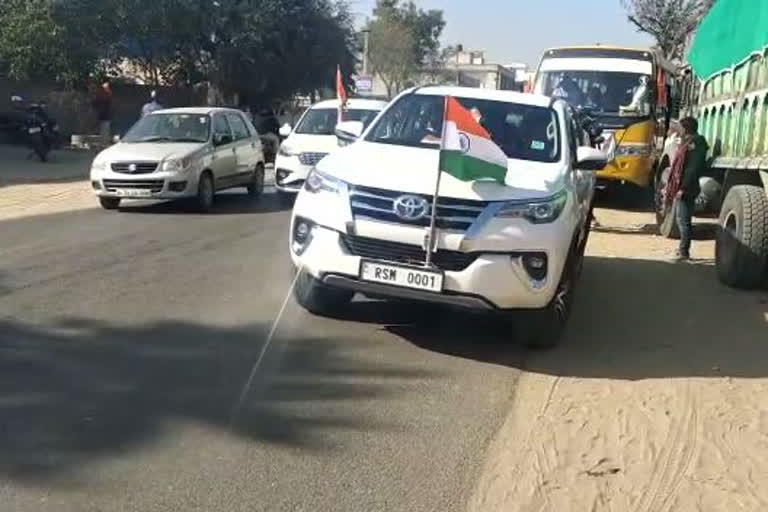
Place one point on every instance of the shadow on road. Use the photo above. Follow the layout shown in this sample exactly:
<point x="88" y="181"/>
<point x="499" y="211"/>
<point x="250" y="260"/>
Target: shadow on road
<point x="701" y="230"/>
<point x="228" y="203"/>
<point x="17" y="167"/>
<point x="80" y="389"/>
<point x="633" y="319"/>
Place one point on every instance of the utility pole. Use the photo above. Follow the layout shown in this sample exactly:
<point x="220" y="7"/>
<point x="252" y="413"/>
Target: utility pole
<point x="459" y="49"/>
<point x="366" y="37"/>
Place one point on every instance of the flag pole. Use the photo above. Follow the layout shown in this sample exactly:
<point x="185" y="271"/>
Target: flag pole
<point x="430" y="238"/>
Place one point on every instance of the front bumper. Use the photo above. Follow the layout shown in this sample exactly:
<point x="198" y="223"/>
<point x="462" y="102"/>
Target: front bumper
<point x="290" y="174"/>
<point x="156" y="185"/>
<point x="493" y="281"/>
<point x="635" y="170"/>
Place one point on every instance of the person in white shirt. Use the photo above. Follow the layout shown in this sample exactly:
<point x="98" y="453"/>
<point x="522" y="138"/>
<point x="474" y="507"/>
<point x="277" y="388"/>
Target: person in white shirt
<point x="152" y="105"/>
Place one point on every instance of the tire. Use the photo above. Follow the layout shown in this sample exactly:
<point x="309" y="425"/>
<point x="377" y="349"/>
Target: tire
<point x="205" y="193"/>
<point x="666" y="218"/>
<point x="110" y="203"/>
<point x="543" y="329"/>
<point x="256" y="186"/>
<point x="317" y="298"/>
<point x="741" y="246"/>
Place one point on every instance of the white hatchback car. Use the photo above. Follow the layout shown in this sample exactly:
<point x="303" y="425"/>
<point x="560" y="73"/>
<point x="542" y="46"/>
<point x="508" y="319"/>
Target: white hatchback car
<point x="359" y="222"/>
<point x="181" y="153"/>
<point x="314" y="138"/>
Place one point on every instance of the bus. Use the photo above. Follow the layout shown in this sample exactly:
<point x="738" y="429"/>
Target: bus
<point x="631" y="92"/>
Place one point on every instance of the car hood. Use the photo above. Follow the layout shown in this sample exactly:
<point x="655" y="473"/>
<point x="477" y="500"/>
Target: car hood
<point x="303" y="143"/>
<point x="148" y="151"/>
<point x="414" y="170"/>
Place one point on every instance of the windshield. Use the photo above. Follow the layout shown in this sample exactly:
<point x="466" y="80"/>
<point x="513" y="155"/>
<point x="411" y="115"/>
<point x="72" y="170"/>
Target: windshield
<point x="170" y="128"/>
<point x="322" y="121"/>
<point x="524" y="132"/>
<point x="607" y="92"/>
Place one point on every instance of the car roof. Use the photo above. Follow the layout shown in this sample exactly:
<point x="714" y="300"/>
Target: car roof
<point x="353" y="103"/>
<point x="195" y="110"/>
<point x="486" y="94"/>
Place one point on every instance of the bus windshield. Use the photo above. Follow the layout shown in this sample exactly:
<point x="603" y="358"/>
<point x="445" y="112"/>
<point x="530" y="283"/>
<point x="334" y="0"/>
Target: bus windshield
<point x="606" y="92"/>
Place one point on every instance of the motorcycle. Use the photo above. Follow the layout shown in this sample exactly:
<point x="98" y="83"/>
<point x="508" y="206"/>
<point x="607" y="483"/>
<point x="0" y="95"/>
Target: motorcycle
<point x="32" y="126"/>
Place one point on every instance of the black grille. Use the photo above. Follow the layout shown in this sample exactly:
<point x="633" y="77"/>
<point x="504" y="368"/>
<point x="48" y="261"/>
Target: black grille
<point x="153" y="185"/>
<point x="311" y="158"/>
<point x="396" y="252"/>
<point x="139" y="167"/>
<point x="453" y="214"/>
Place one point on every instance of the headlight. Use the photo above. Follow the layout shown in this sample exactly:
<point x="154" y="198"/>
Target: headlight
<point x="633" y="149"/>
<point x="98" y="166"/>
<point x="176" y="164"/>
<point x="286" y="151"/>
<point x="538" y="212"/>
<point x="317" y="182"/>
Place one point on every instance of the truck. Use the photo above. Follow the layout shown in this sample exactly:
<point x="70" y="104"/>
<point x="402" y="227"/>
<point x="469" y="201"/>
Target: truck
<point x="726" y="90"/>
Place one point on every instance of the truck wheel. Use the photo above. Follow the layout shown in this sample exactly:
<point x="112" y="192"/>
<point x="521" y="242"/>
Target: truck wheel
<point x="109" y="203"/>
<point x="543" y="329"/>
<point x="741" y="247"/>
<point x="317" y="298"/>
<point x="666" y="217"/>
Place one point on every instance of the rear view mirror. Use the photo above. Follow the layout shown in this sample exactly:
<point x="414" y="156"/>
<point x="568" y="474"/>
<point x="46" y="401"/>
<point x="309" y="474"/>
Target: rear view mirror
<point x="349" y="131"/>
<point x="590" y="159"/>
<point x="221" y="139"/>
<point x="285" y="130"/>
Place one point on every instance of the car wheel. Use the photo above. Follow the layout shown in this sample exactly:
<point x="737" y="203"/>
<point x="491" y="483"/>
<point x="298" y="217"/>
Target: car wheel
<point x="741" y="247"/>
<point x="110" y="203"/>
<point x="544" y="328"/>
<point x="317" y="298"/>
<point x="205" y="193"/>
<point x="256" y="186"/>
<point x="666" y="216"/>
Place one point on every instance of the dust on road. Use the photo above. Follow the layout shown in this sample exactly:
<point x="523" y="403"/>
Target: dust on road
<point x="658" y="398"/>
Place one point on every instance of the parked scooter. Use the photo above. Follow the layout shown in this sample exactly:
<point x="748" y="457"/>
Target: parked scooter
<point x="30" y="125"/>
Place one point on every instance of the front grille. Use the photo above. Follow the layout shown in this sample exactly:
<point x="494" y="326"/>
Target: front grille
<point x="396" y="252"/>
<point x="378" y="204"/>
<point x="311" y="158"/>
<point x="139" y="167"/>
<point x="153" y="185"/>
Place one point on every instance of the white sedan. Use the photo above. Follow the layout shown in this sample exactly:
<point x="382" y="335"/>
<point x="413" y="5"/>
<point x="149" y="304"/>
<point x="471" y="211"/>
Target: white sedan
<point x="181" y="153"/>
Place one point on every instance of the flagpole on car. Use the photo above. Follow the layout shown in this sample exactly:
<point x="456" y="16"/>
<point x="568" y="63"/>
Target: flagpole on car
<point x="429" y="239"/>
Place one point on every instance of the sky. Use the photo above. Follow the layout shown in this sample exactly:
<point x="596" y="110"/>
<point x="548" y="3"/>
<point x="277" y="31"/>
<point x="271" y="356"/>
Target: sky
<point x="520" y="30"/>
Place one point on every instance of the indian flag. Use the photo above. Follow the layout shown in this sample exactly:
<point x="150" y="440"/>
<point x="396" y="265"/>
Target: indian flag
<point x="467" y="151"/>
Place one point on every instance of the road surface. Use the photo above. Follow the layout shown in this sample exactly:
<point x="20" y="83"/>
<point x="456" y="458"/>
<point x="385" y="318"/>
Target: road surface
<point x="126" y="345"/>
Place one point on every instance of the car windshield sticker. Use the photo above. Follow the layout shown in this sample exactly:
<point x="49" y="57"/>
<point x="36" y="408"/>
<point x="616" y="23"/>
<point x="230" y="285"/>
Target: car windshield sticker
<point x="538" y="145"/>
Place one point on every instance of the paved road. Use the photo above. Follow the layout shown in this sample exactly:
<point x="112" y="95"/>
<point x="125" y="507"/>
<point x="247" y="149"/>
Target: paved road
<point x="127" y="341"/>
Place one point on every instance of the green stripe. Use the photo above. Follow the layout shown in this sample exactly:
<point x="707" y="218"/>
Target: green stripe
<point x="467" y="168"/>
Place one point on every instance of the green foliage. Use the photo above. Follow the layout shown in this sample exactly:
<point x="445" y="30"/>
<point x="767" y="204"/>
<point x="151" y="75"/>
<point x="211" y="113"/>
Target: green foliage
<point x="404" y="41"/>
<point x="260" y="49"/>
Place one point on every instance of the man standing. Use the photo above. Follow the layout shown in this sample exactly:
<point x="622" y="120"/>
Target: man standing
<point x="102" y="104"/>
<point x="693" y="164"/>
<point x="152" y="105"/>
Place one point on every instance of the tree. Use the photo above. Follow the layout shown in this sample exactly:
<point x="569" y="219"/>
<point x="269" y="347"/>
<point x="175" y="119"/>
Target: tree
<point x="670" y="22"/>
<point x="404" y="41"/>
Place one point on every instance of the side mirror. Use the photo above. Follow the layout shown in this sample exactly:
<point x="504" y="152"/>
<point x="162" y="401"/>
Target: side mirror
<point x="221" y="139"/>
<point x="285" y="130"/>
<point x="115" y="139"/>
<point x="590" y="159"/>
<point x="349" y="131"/>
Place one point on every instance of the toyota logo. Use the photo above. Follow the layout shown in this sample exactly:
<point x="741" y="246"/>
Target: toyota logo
<point x="411" y="207"/>
<point x="132" y="168"/>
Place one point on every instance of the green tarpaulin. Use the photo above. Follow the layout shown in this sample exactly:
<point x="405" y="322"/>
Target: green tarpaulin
<point x="730" y="33"/>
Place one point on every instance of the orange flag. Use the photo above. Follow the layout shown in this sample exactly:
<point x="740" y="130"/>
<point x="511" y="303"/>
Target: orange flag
<point x="341" y="93"/>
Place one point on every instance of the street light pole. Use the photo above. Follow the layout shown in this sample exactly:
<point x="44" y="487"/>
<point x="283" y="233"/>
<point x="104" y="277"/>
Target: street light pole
<point x="459" y="49"/>
<point x="366" y="37"/>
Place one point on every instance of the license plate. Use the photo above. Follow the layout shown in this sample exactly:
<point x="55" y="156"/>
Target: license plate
<point x="133" y="192"/>
<point x="402" y="276"/>
<point x="34" y="130"/>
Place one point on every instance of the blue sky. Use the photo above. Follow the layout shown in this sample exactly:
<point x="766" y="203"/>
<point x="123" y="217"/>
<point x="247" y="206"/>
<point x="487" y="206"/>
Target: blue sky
<point x="519" y="30"/>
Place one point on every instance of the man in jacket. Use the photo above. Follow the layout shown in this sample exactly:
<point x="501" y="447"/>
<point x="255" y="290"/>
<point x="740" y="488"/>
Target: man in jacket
<point x="694" y="165"/>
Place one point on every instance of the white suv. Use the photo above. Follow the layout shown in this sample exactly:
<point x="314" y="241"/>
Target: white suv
<point x="359" y="222"/>
<point x="181" y="153"/>
<point x="313" y="139"/>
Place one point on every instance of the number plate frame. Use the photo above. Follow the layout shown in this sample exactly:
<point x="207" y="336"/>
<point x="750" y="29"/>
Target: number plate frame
<point x="439" y="275"/>
<point x="133" y="192"/>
